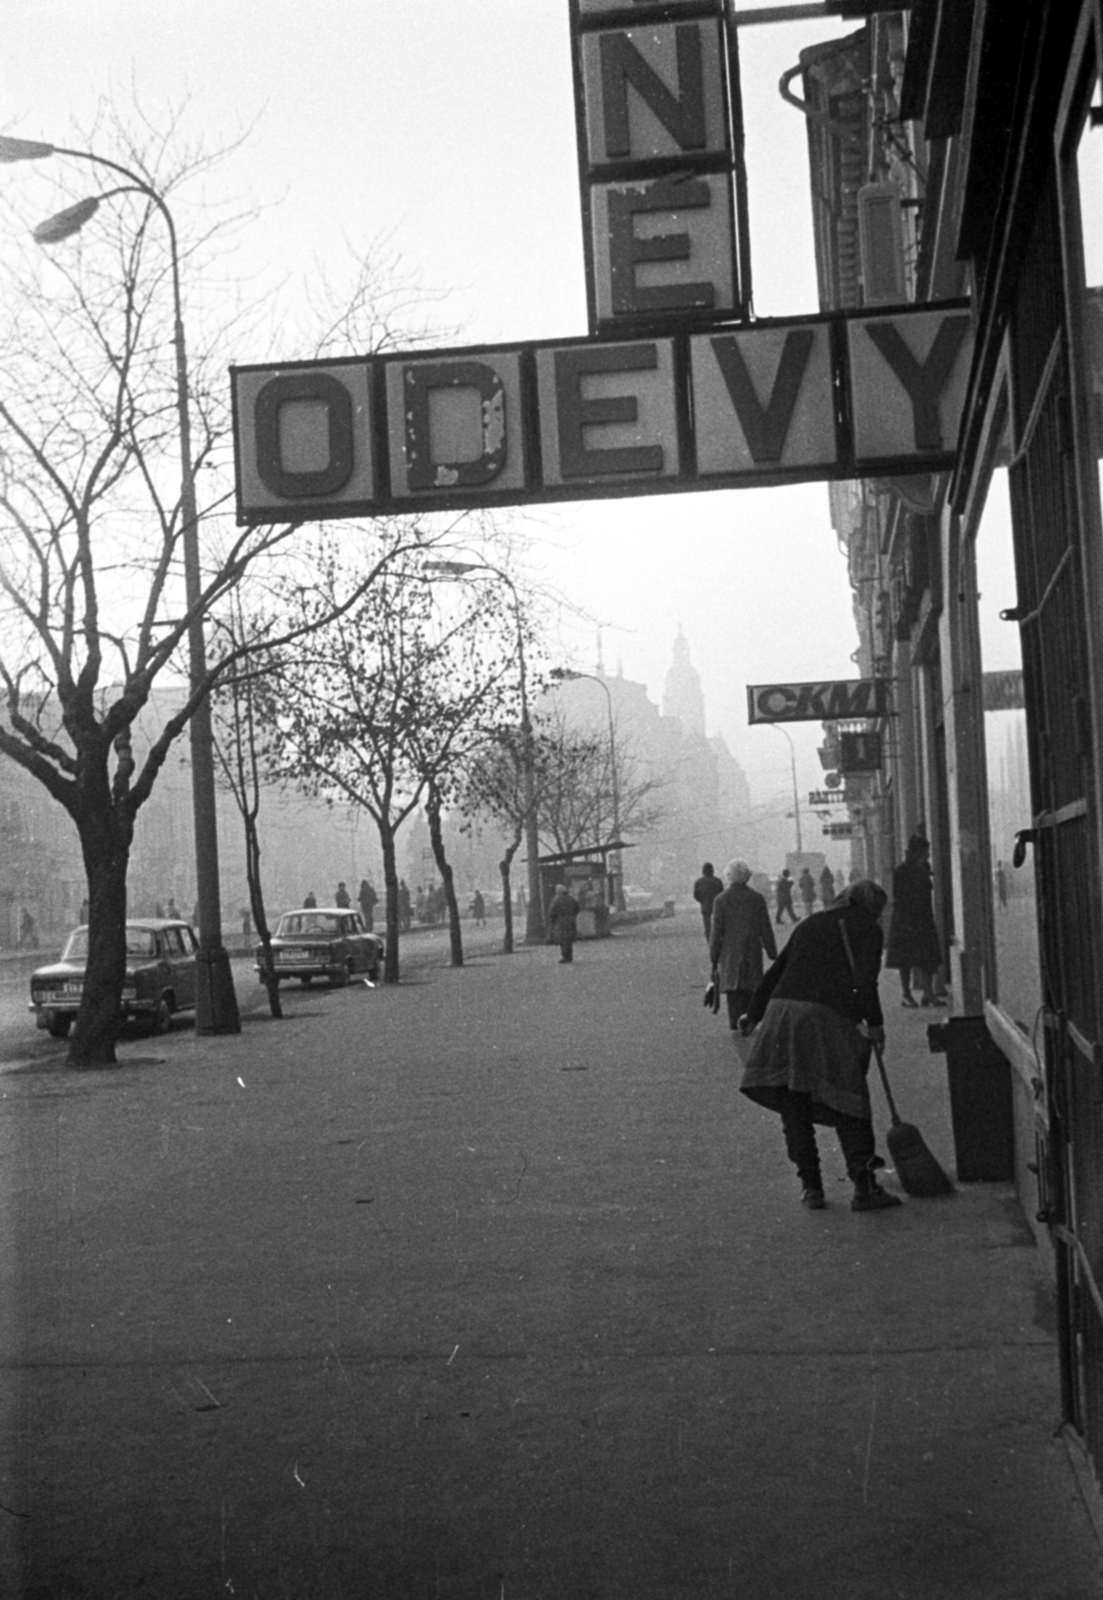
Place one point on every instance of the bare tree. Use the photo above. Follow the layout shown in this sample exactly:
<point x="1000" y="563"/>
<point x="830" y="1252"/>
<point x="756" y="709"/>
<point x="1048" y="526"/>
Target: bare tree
<point x="582" y="798"/>
<point x="384" y="709"/>
<point x="495" y="786"/>
<point x="109" y="436"/>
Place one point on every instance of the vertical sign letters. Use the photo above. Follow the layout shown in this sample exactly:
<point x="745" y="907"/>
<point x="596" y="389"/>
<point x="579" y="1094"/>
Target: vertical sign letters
<point x="656" y="163"/>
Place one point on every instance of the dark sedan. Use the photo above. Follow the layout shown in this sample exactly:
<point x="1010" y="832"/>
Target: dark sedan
<point x="160" y="977"/>
<point x="328" y="942"/>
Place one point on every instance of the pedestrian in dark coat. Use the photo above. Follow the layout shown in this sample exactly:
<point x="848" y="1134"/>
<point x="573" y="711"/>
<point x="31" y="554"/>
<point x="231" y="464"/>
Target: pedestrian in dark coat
<point x="478" y="908"/>
<point x="827" y="887"/>
<point x="784" y="892"/>
<point x="342" y="897"/>
<point x="741" y="931"/>
<point x="563" y="921"/>
<point x="368" y="899"/>
<point x="807" y="886"/>
<point x="913" y="936"/>
<point x="819" y="1013"/>
<point x="705" y="890"/>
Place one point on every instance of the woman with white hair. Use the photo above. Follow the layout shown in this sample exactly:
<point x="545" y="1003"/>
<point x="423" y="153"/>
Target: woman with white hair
<point x="741" y="930"/>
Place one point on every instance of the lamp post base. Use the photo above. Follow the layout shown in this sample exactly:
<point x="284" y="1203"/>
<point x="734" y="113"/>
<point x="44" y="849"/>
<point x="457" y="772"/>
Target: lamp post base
<point x="216" y="1009"/>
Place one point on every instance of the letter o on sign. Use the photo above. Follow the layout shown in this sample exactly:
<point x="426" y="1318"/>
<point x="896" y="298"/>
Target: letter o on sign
<point x="311" y="388"/>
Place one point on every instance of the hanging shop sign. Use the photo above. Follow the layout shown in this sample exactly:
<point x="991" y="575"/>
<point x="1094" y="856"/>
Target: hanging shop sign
<point x="838" y="701"/>
<point x="842" y="830"/>
<point x="507" y="425"/>
<point x="660" y="139"/>
<point x="859" y="752"/>
<point x="675" y="389"/>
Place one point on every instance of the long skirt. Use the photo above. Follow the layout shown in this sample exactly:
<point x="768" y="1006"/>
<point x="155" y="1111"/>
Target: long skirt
<point x="813" y="1050"/>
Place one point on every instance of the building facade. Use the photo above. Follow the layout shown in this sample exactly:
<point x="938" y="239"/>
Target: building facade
<point x="957" y="150"/>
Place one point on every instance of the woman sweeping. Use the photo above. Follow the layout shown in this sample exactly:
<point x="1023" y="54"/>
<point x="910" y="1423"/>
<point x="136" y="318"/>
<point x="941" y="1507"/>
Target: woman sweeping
<point x="809" y="1059"/>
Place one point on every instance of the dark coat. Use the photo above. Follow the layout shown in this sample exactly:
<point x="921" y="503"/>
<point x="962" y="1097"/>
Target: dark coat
<point x="705" y="891"/>
<point x="563" y="917"/>
<point x="814" y="966"/>
<point x="741" y="931"/>
<point x="913" y="936"/>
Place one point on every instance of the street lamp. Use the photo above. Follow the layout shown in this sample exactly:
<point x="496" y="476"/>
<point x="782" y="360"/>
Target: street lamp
<point x="216" y="1002"/>
<point x="534" y="911"/>
<point x="793" y="767"/>
<point x="569" y="675"/>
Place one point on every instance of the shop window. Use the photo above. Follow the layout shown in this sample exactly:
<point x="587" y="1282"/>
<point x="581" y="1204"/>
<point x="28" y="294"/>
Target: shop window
<point x="1014" y="894"/>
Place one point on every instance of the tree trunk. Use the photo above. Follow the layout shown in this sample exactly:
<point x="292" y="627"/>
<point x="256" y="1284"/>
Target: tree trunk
<point x="436" y="839"/>
<point x="507" y="894"/>
<point x="105" y="839"/>
<point x="260" y="916"/>
<point x="390" y="879"/>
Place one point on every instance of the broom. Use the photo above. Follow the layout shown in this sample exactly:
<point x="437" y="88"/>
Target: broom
<point x="917" y="1169"/>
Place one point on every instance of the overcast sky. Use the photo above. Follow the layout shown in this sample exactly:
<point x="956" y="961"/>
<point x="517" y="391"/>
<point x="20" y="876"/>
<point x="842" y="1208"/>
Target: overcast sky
<point x="449" y="124"/>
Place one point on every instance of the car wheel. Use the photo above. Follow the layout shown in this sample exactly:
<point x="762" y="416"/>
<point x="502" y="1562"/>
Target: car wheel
<point x="307" y="980"/>
<point x="162" y="1017"/>
<point x="58" y="1027"/>
<point x="338" y="979"/>
<point x="373" y="972"/>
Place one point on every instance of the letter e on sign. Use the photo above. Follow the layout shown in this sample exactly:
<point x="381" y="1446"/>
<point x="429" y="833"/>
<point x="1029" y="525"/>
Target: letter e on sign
<point x="454" y="424"/>
<point x="303" y="436"/>
<point x="608" y="412"/>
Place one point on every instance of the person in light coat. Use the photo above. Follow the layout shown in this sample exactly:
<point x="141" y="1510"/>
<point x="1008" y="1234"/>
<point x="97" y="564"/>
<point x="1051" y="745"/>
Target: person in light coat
<point x="741" y="932"/>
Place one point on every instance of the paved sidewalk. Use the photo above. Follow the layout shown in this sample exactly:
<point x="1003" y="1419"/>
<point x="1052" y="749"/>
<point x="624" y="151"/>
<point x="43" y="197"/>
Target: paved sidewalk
<point x="492" y="1286"/>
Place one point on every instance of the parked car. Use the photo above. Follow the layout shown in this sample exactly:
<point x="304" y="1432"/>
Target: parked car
<point x="160" y="976"/>
<point x="328" y="942"/>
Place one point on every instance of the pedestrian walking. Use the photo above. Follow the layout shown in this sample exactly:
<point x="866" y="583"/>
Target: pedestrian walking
<point x="827" y="887"/>
<point x="478" y="909"/>
<point x="784" y="892"/>
<point x="820" y="1015"/>
<point x="341" y="896"/>
<point x="913" y="936"/>
<point x="807" y="886"/>
<point x="563" y="922"/>
<point x="368" y="899"/>
<point x="741" y="931"/>
<point x="705" y="890"/>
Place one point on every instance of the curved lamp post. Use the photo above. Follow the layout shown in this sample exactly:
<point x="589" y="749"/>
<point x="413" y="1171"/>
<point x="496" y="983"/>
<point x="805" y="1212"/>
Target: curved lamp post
<point x="569" y="675"/>
<point x="216" y="1003"/>
<point x="534" y="910"/>
<point x="793" y="767"/>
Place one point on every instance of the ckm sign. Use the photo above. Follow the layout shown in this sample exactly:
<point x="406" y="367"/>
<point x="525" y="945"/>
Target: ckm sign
<point x="839" y="701"/>
<point x="674" y="389"/>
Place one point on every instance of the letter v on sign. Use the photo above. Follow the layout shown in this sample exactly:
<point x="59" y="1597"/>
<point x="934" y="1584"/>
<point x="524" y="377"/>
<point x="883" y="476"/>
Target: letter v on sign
<point x="765" y="428"/>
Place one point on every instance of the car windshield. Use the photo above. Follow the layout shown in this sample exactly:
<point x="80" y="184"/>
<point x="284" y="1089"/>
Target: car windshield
<point x="303" y="923"/>
<point x="139" y="942"/>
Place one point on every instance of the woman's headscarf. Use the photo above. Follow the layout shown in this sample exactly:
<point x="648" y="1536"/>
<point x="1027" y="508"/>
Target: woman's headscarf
<point x="867" y="895"/>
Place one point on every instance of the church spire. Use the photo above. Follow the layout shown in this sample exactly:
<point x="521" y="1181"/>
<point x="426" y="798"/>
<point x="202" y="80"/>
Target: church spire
<point x="682" y="694"/>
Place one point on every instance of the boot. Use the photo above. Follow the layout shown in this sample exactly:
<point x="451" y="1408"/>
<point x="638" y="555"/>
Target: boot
<point x="812" y="1195"/>
<point x="868" y="1194"/>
